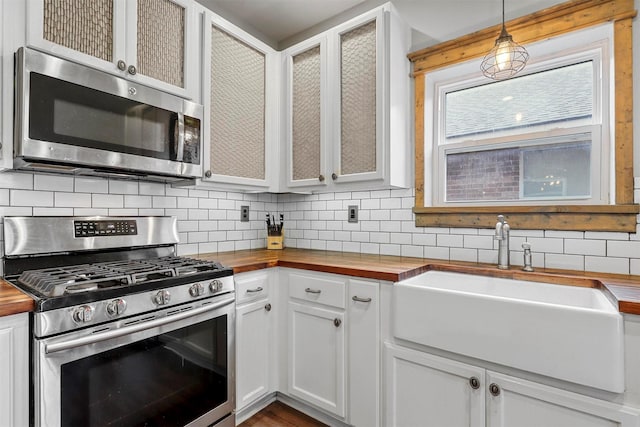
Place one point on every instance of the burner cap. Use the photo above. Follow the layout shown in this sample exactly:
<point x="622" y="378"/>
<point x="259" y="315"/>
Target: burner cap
<point x="82" y="287"/>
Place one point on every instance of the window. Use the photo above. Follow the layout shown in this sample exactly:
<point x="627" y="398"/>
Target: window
<point x="566" y="21"/>
<point x="541" y="137"/>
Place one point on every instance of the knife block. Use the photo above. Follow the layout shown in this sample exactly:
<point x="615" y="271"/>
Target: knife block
<point x="276" y="242"/>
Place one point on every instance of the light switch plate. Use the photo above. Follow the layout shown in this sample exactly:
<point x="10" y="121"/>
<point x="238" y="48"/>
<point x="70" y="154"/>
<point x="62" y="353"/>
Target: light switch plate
<point x="353" y="214"/>
<point x="244" y="213"/>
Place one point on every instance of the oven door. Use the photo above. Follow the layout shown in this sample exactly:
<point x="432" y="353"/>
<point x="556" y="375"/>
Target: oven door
<point x="174" y="367"/>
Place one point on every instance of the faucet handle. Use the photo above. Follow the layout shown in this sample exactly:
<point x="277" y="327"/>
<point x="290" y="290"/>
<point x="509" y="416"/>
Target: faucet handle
<point x="501" y="218"/>
<point x="526" y="246"/>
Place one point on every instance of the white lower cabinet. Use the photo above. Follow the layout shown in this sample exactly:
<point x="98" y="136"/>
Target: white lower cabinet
<point x="255" y="314"/>
<point x="317" y="356"/>
<point x="363" y="341"/>
<point x="427" y="390"/>
<point x="14" y="370"/>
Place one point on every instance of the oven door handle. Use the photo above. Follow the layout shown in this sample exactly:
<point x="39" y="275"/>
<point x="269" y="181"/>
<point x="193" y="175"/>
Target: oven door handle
<point x="116" y="333"/>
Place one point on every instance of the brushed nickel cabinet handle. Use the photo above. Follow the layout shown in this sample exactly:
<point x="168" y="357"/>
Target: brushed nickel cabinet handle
<point x="358" y="299"/>
<point x="122" y="65"/>
<point x="253" y="291"/>
<point x="132" y="70"/>
<point x="312" y="291"/>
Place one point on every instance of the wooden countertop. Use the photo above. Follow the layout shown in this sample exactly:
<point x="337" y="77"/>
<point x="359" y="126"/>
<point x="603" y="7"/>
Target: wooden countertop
<point x="623" y="290"/>
<point x="13" y="301"/>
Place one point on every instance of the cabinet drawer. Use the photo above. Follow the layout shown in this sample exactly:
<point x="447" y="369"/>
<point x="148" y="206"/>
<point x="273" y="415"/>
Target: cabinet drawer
<point x="251" y="286"/>
<point x="327" y="290"/>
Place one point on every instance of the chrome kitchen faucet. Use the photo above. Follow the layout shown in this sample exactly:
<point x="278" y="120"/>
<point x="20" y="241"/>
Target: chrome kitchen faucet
<point x="502" y="236"/>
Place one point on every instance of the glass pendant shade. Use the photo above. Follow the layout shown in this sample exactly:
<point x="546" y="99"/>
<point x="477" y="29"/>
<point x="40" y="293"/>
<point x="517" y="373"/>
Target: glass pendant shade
<point x="506" y="58"/>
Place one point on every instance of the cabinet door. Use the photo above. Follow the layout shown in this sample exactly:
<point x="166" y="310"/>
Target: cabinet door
<point x="14" y="370"/>
<point x="307" y="100"/>
<point x="239" y="99"/>
<point x="253" y="355"/>
<point x="430" y="391"/>
<point x="162" y="44"/>
<point x="88" y="32"/>
<point x="364" y="353"/>
<point x="516" y="402"/>
<point x="359" y="119"/>
<point x="317" y="357"/>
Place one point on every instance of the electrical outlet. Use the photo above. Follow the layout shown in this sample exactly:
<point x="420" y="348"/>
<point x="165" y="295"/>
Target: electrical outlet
<point x="353" y="214"/>
<point x="244" y="213"/>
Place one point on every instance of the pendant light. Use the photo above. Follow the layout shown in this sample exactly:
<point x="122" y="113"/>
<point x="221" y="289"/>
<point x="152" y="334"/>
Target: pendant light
<point x="506" y="58"/>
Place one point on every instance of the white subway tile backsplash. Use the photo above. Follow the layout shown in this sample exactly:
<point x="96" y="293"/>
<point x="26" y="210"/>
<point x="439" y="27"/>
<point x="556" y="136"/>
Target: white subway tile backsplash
<point x="151" y="212"/>
<point x="180" y="214"/>
<point x="91" y="185"/>
<point x="319" y="245"/>
<point x="15" y="211"/>
<point x="478" y="242"/>
<point x="370" y="204"/>
<point x="137" y="201"/>
<point x="607" y="264"/>
<point x="123" y="212"/>
<point x="360" y="195"/>
<point x="31" y="198"/>
<point x="469" y="231"/>
<point x="108" y="201"/>
<point x="585" y="247"/>
<point x="450" y="240"/>
<point x="381" y="215"/>
<point x="351" y="246"/>
<point x="544" y="245"/>
<point x="93" y="212"/>
<point x="461" y="254"/>
<point x="4" y="197"/>
<point x="412" y="251"/>
<point x="167" y="202"/>
<point x="635" y="267"/>
<point x="16" y="180"/>
<point x="226" y="246"/>
<point x="370" y="225"/>
<point x="564" y="262"/>
<point x="119" y="186"/>
<point x="52" y="182"/>
<point x="424" y="239"/>
<point x="623" y="249"/>
<point x="199" y="193"/>
<point x="52" y="211"/>
<point x="606" y="235"/>
<point x="436" y="252"/>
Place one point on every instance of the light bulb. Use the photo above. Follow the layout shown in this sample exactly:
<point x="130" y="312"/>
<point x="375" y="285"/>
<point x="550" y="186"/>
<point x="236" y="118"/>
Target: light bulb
<point x="503" y="55"/>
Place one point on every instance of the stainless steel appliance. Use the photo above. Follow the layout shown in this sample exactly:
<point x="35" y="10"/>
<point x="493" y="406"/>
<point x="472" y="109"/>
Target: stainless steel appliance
<point x="74" y="119"/>
<point x="125" y="333"/>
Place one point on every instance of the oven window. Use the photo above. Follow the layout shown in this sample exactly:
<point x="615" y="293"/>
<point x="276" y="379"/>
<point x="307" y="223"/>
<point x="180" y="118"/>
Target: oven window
<point x="76" y="115"/>
<point x="169" y="379"/>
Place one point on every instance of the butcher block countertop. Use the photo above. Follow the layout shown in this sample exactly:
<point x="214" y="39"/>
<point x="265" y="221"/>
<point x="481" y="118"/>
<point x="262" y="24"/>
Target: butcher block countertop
<point x="623" y="290"/>
<point x="13" y="301"/>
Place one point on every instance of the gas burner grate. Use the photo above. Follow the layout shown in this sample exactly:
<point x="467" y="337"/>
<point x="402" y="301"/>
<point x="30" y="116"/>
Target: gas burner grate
<point x="91" y="277"/>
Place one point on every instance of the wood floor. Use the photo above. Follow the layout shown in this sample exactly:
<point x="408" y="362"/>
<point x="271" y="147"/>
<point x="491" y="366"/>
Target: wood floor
<point x="280" y="415"/>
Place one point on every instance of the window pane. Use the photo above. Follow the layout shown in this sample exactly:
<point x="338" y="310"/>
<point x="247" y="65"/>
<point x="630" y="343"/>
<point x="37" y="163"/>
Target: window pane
<point x="561" y="94"/>
<point x="534" y="172"/>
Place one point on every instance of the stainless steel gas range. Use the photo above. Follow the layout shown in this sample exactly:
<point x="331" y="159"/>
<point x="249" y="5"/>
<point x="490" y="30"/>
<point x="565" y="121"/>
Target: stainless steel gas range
<point x="125" y="333"/>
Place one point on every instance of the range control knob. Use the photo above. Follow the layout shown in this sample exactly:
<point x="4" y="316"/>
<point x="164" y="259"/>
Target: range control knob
<point x="162" y="298"/>
<point x="83" y="314"/>
<point x="215" y="285"/>
<point x="196" y="290"/>
<point x="115" y="307"/>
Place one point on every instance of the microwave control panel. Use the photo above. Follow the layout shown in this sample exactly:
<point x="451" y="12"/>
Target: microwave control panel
<point x="125" y="227"/>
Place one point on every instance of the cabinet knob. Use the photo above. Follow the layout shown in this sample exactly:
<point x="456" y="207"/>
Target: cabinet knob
<point x="207" y="174"/>
<point x="122" y="65"/>
<point x="474" y="382"/>
<point x="321" y="178"/>
<point x="267" y="307"/>
<point x="494" y="389"/>
<point x="334" y="176"/>
<point x="337" y="322"/>
<point x="132" y="70"/>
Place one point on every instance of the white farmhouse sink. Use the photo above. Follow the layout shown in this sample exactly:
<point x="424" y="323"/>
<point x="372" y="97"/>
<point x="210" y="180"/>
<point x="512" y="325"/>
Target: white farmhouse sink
<point x="565" y="332"/>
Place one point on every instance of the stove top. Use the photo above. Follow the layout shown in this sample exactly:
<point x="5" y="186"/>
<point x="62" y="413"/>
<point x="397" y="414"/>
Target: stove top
<point x="75" y="279"/>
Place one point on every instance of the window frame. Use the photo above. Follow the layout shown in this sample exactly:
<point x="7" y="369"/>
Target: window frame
<point x="555" y="21"/>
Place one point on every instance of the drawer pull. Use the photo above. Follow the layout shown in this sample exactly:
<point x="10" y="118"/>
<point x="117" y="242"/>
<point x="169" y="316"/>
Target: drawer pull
<point x="474" y="382"/>
<point x="253" y="291"/>
<point x="312" y="291"/>
<point x="358" y="299"/>
<point x="337" y="322"/>
<point x="267" y="307"/>
<point x="494" y="389"/>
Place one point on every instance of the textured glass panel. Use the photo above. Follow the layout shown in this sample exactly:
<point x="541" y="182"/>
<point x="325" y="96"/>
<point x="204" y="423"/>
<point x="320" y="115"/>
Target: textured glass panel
<point x="237" y="107"/>
<point x="537" y="172"/>
<point x="551" y="96"/>
<point x="358" y="96"/>
<point x="85" y="26"/>
<point x="306" y="114"/>
<point x="161" y="41"/>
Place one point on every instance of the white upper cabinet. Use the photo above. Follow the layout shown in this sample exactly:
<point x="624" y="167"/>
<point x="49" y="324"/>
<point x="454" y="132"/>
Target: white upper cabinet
<point x="240" y="99"/>
<point x="347" y="106"/>
<point x="152" y="42"/>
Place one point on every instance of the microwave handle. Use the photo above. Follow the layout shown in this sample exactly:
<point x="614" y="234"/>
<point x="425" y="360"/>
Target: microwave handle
<point x="138" y="327"/>
<point x="180" y="141"/>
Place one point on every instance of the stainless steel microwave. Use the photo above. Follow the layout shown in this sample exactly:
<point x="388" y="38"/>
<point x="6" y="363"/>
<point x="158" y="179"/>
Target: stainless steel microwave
<point x="75" y="119"/>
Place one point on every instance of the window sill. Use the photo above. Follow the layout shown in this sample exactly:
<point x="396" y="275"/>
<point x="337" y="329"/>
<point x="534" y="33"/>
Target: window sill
<point x="618" y="218"/>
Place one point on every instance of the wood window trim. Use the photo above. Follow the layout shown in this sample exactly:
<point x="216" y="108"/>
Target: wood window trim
<point x="554" y="21"/>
